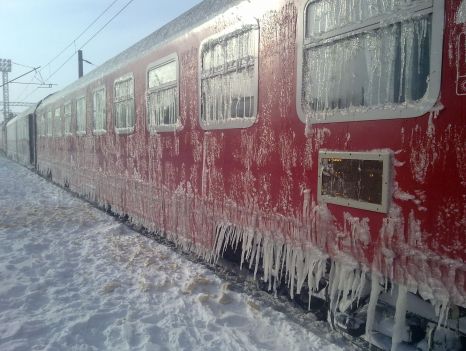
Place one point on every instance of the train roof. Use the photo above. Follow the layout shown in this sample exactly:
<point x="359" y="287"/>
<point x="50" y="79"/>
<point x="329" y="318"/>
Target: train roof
<point x="189" y="20"/>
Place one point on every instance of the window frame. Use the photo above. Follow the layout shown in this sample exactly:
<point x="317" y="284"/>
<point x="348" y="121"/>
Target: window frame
<point x="94" y="92"/>
<point x="84" y="131"/>
<point x="378" y="155"/>
<point x="154" y="65"/>
<point x="375" y="112"/>
<point x="123" y="130"/>
<point x="240" y="122"/>
<point x="70" y="132"/>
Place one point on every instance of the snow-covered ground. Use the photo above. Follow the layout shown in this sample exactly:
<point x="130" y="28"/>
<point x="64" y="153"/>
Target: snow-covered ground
<point x="74" y="278"/>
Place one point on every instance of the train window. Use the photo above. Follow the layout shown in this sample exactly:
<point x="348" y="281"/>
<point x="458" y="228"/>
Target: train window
<point x="67" y="117"/>
<point x="57" y="122"/>
<point x="229" y="79"/>
<point x="162" y="95"/>
<point x="99" y="111"/>
<point x="391" y="59"/>
<point x="42" y="126"/>
<point x="81" y="116"/>
<point x="49" y="123"/>
<point x="123" y="104"/>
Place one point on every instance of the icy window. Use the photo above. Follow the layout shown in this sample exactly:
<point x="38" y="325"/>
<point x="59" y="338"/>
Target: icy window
<point x="229" y="79"/>
<point x="67" y="116"/>
<point x="361" y="55"/>
<point x="57" y="122"/>
<point x="162" y="95"/>
<point x="42" y="126"/>
<point x="124" y="104"/>
<point x="99" y="111"/>
<point x="49" y="123"/>
<point x="81" y="115"/>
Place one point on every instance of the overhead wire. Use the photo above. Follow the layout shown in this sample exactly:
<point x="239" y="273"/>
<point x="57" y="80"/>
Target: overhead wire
<point x="91" y="38"/>
<point x="73" y="42"/>
<point x="83" y="45"/>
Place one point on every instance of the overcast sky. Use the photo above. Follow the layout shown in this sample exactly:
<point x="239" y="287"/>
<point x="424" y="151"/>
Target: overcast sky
<point x="33" y="32"/>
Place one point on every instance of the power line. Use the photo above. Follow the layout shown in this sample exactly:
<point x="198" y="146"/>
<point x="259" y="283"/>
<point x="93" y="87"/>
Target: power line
<point x="41" y="85"/>
<point x="22" y="75"/>
<point x="20" y="64"/>
<point x="91" y="38"/>
<point x="73" y="42"/>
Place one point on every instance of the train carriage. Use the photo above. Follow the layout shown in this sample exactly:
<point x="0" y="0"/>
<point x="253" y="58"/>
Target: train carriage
<point x="321" y="139"/>
<point x="20" y="138"/>
<point x="2" y="137"/>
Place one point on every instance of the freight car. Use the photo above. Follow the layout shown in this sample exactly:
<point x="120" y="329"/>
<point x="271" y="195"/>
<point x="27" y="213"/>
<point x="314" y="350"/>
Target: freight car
<point x="322" y="140"/>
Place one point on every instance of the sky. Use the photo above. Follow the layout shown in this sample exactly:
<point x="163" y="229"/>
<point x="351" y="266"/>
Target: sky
<point x="33" y="32"/>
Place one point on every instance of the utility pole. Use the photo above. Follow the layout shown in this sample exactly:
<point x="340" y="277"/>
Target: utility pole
<point x="5" y="68"/>
<point x="80" y="63"/>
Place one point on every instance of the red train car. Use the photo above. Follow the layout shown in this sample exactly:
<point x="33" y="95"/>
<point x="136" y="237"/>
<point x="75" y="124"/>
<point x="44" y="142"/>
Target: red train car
<point x="324" y="139"/>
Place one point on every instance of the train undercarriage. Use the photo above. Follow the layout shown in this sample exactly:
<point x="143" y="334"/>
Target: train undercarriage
<point x="371" y="312"/>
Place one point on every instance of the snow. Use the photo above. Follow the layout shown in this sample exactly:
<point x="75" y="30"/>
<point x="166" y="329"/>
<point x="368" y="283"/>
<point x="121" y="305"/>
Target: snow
<point x="74" y="278"/>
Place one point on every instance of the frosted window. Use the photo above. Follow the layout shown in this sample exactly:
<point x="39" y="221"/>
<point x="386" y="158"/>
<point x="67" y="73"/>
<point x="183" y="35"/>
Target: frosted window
<point x="124" y="104"/>
<point x="58" y="126"/>
<point x="49" y="123"/>
<point x="81" y="115"/>
<point x="229" y="77"/>
<point x="99" y="114"/>
<point x="162" y="95"/>
<point x="42" y="126"/>
<point x="324" y="16"/>
<point x="359" y="53"/>
<point x="67" y="116"/>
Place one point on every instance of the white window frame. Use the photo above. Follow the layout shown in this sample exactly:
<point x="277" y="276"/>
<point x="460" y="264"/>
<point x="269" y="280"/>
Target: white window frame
<point x="402" y="110"/>
<point x="49" y="123"/>
<point x="240" y="122"/>
<point x="130" y="129"/>
<point x="378" y="155"/>
<point x="68" y="116"/>
<point x="94" y="94"/>
<point x="81" y="132"/>
<point x="164" y="127"/>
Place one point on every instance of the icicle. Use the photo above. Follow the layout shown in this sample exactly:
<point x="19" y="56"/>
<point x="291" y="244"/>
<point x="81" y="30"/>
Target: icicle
<point x="371" y="309"/>
<point x="400" y="317"/>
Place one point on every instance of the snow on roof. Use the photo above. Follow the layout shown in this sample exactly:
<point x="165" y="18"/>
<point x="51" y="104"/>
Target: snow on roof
<point x="189" y="20"/>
